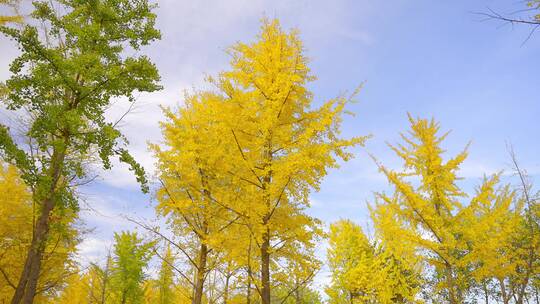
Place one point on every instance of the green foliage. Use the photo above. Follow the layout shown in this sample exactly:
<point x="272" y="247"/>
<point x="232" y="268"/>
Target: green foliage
<point x="67" y="81"/>
<point x="131" y="257"/>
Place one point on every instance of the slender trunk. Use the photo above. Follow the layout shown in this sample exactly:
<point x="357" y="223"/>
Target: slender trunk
<point x="265" y="268"/>
<point x="505" y="297"/>
<point x="265" y="245"/>
<point x="486" y="293"/>
<point x="27" y="285"/>
<point x="249" y="273"/>
<point x="201" y="272"/>
<point x="525" y="282"/>
<point x="248" y="291"/>
<point x="226" y="293"/>
<point x="105" y="280"/>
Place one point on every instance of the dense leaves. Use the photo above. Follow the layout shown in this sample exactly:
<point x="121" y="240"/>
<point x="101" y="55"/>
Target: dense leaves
<point x="235" y="171"/>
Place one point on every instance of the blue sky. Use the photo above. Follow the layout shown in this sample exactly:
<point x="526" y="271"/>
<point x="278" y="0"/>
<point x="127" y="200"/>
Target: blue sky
<point x="431" y="58"/>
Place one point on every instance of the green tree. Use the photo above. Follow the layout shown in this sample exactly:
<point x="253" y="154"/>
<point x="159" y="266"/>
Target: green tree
<point x="66" y="78"/>
<point x="131" y="257"/>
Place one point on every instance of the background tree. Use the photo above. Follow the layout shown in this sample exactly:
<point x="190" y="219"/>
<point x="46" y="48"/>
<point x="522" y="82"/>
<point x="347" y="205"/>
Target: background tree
<point x="526" y="281"/>
<point x="165" y="280"/>
<point x="16" y="218"/>
<point x="455" y="239"/>
<point x="493" y="220"/>
<point x="192" y="192"/>
<point x="364" y="273"/>
<point x="131" y="257"/>
<point x="76" y="290"/>
<point x="65" y="82"/>
<point x="99" y="281"/>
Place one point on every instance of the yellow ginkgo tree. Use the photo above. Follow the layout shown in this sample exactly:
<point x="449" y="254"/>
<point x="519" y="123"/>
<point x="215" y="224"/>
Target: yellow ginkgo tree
<point x="17" y="215"/>
<point x="249" y="151"/>
<point x="364" y="272"/>
<point x="461" y="241"/>
<point x="194" y="190"/>
<point x="284" y="145"/>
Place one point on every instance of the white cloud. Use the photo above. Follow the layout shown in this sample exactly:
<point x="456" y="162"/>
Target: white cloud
<point x="93" y="250"/>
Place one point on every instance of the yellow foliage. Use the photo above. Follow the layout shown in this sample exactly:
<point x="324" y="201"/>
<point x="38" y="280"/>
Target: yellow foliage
<point x="365" y="273"/>
<point x="16" y="234"/>
<point x="430" y="220"/>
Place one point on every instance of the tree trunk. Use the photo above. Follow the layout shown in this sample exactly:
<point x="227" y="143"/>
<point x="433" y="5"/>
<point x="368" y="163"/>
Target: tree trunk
<point x="27" y="285"/>
<point x="26" y="289"/>
<point x="265" y="268"/>
<point x="201" y="272"/>
<point x="505" y="296"/>
<point x="452" y="296"/>
<point x="297" y="295"/>
<point x="248" y="291"/>
<point x="486" y="292"/>
<point x="226" y="293"/>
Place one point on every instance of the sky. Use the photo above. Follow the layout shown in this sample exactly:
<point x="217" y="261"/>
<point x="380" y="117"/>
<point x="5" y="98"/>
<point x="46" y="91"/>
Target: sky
<point x="429" y="58"/>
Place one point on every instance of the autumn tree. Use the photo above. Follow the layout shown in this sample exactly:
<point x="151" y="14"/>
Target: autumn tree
<point x="525" y="280"/>
<point x="99" y="281"/>
<point x="16" y="219"/>
<point x="283" y="146"/>
<point x="65" y="79"/>
<point x="456" y="239"/>
<point x="76" y="290"/>
<point x="165" y="280"/>
<point x="491" y="222"/>
<point x="191" y="187"/>
<point x="363" y="272"/>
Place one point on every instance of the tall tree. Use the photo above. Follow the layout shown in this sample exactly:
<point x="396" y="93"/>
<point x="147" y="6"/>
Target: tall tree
<point x="65" y="79"/>
<point x="282" y="147"/>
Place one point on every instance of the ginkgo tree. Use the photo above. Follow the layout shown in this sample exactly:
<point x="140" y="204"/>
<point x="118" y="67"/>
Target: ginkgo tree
<point x="249" y="151"/>
<point x="65" y="79"/>
<point x="364" y="272"/>
<point x="457" y="240"/>
<point x="283" y="146"/>
<point x="16" y="218"/>
<point x="191" y="187"/>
